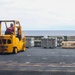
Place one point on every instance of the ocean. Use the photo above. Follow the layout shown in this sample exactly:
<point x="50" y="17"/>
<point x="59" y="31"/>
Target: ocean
<point x="48" y="33"/>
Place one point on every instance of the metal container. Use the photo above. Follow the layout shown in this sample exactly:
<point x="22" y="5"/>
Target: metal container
<point x="48" y="43"/>
<point x="52" y="43"/>
<point x="59" y="41"/>
<point x="32" y="42"/>
<point x="37" y="43"/>
<point x="44" y="43"/>
<point x="71" y="38"/>
<point x="29" y="42"/>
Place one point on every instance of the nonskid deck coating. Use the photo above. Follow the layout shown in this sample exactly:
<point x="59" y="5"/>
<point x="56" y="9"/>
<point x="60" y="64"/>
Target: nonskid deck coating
<point x="38" y="59"/>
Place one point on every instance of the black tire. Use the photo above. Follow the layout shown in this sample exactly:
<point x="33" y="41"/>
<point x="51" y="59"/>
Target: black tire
<point x="23" y="49"/>
<point x="15" y="51"/>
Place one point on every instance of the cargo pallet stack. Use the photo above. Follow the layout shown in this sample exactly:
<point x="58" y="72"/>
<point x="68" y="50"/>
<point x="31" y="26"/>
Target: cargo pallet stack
<point x="48" y="43"/>
<point x="29" y="42"/>
<point x="59" y="41"/>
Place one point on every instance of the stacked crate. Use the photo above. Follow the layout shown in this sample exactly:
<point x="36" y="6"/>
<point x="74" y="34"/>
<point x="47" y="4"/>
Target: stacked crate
<point x="29" y="42"/>
<point x="71" y="38"/>
<point x="48" y="43"/>
<point x="59" y="41"/>
<point x="37" y="41"/>
<point x="44" y="42"/>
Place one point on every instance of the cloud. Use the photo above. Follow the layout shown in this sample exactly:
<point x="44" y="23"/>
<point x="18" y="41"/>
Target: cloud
<point x="40" y="14"/>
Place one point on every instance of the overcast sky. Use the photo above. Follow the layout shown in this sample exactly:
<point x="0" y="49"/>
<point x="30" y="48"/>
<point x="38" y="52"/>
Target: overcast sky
<point x="40" y="14"/>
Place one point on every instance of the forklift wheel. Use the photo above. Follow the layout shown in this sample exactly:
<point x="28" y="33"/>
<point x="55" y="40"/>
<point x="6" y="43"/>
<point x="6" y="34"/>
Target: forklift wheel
<point x="24" y="49"/>
<point x="15" y="51"/>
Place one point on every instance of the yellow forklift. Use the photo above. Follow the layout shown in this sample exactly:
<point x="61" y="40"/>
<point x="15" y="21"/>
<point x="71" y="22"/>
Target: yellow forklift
<point x="11" y="42"/>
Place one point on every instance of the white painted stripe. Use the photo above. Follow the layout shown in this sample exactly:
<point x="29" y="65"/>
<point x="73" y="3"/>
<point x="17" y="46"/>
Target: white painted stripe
<point x="27" y="62"/>
<point x="62" y="62"/>
<point x="44" y="58"/>
<point x="73" y="63"/>
<point x="28" y="55"/>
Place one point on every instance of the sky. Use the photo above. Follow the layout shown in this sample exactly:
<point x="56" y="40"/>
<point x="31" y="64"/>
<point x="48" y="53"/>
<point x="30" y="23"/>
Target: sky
<point x="40" y="14"/>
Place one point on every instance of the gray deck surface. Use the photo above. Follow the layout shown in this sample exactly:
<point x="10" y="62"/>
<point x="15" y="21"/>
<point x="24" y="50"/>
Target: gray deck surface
<point x="39" y="61"/>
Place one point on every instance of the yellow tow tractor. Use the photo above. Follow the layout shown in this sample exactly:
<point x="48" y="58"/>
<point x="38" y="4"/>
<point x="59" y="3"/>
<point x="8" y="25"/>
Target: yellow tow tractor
<point x="11" y="43"/>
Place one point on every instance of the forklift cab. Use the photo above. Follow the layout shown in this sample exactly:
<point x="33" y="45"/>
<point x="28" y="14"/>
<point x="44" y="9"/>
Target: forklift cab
<point x="11" y="42"/>
<point x="16" y="28"/>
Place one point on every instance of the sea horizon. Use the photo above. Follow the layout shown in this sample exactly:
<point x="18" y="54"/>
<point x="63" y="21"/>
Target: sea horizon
<point x="48" y="32"/>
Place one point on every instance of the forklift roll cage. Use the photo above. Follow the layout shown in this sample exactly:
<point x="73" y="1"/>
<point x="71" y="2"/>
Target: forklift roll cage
<point x="14" y="26"/>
